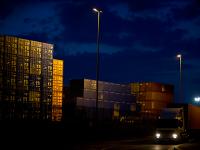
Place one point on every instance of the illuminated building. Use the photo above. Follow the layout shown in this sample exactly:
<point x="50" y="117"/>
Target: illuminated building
<point x="26" y="79"/>
<point x="57" y="90"/>
<point x="115" y="100"/>
<point x="152" y="97"/>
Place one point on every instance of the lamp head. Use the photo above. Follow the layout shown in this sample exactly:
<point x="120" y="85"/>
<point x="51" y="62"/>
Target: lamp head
<point x="179" y="56"/>
<point x="96" y="10"/>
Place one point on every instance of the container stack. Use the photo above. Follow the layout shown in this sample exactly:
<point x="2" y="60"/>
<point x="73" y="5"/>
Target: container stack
<point x="114" y="100"/>
<point x="8" y="77"/>
<point x="35" y="79"/>
<point x="193" y="119"/>
<point x="26" y="74"/>
<point x="1" y="73"/>
<point x="57" y="90"/>
<point x="22" y="79"/>
<point x="152" y="97"/>
<point x="47" y="80"/>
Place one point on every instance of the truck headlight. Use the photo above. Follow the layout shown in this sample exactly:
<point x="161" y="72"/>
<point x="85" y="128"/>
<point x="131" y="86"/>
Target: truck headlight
<point x="157" y="135"/>
<point x="174" y="135"/>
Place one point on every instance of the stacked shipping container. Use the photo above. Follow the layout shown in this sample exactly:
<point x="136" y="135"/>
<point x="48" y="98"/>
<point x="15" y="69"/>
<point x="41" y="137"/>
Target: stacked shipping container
<point x="193" y="119"/>
<point x="47" y="80"/>
<point x="26" y="74"/>
<point x="152" y="97"/>
<point x="115" y="100"/>
<point x="8" y="76"/>
<point x="35" y="81"/>
<point x="57" y="90"/>
<point x="1" y="73"/>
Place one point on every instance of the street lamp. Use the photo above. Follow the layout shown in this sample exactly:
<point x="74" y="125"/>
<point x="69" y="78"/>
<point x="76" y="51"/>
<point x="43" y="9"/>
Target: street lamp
<point x="97" y="59"/>
<point x="179" y="56"/>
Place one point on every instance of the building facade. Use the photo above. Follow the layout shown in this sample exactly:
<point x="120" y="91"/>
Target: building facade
<point x="152" y="97"/>
<point x="114" y="101"/>
<point x="26" y="79"/>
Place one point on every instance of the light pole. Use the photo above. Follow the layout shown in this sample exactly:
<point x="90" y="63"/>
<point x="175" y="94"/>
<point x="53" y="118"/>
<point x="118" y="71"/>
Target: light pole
<point x="180" y="80"/>
<point x="97" y="60"/>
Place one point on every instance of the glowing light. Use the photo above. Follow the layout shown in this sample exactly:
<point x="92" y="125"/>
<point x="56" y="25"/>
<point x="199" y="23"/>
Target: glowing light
<point x="174" y="135"/>
<point x="96" y="10"/>
<point x="178" y="56"/>
<point x="197" y="99"/>
<point x="157" y="135"/>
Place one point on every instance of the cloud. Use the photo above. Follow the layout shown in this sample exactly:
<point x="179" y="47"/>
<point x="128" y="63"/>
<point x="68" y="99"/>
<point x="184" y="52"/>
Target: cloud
<point x="121" y="10"/>
<point x="8" y="7"/>
<point x="139" y="6"/>
<point x="187" y="12"/>
<point x="32" y="18"/>
<point x="73" y="48"/>
<point x="133" y="66"/>
<point x="124" y="66"/>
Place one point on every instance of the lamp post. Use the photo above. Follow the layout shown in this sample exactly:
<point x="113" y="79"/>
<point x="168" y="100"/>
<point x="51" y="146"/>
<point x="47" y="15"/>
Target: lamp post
<point x="97" y="60"/>
<point x="180" y="80"/>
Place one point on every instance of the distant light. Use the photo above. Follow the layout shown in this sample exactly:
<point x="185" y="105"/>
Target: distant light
<point x="197" y="99"/>
<point x="157" y="135"/>
<point x="178" y="56"/>
<point x="96" y="10"/>
<point x="174" y="135"/>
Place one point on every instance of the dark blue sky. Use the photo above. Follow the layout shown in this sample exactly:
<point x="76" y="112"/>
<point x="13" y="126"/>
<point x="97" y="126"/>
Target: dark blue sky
<point x="139" y="38"/>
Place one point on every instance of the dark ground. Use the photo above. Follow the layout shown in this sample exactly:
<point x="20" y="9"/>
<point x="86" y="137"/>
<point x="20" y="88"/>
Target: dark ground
<point x="37" y="134"/>
<point x="46" y="135"/>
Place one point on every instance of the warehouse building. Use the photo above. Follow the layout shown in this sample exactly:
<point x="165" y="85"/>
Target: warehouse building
<point x="114" y="100"/>
<point x="152" y="97"/>
<point x="26" y="79"/>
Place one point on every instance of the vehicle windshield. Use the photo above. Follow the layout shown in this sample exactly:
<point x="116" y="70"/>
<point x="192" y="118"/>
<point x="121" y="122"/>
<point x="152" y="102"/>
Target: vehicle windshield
<point x="167" y="123"/>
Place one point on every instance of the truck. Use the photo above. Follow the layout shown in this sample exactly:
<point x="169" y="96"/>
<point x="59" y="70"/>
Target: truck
<point x="177" y="122"/>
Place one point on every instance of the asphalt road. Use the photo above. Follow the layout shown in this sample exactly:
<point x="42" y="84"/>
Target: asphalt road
<point x="28" y="138"/>
<point x="137" y="144"/>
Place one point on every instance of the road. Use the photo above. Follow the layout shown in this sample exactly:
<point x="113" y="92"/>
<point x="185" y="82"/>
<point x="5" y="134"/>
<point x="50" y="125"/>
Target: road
<point x="63" y="139"/>
<point x="136" y="144"/>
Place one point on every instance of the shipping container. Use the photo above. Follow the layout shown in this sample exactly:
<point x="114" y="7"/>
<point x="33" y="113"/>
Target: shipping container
<point x="56" y="113"/>
<point x="10" y="48"/>
<point x="35" y="52"/>
<point x="1" y="38"/>
<point x="151" y="86"/>
<point x="84" y="90"/>
<point x="152" y="96"/>
<point x="135" y="88"/>
<point x="106" y="86"/>
<point x="21" y="66"/>
<point x="47" y="51"/>
<point x="58" y="69"/>
<point x="57" y="98"/>
<point x="2" y="47"/>
<point x="193" y="116"/>
<point x="155" y="96"/>
<point x="10" y="39"/>
<point x="23" y="42"/>
<point x="36" y="44"/>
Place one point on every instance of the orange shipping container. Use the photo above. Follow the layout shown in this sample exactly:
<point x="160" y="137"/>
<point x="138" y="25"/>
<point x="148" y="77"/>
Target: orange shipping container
<point x="156" y="96"/>
<point x="193" y="116"/>
<point x="159" y="87"/>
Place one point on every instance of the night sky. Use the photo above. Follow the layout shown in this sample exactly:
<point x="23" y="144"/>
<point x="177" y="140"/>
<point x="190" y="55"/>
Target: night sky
<point x="139" y="38"/>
